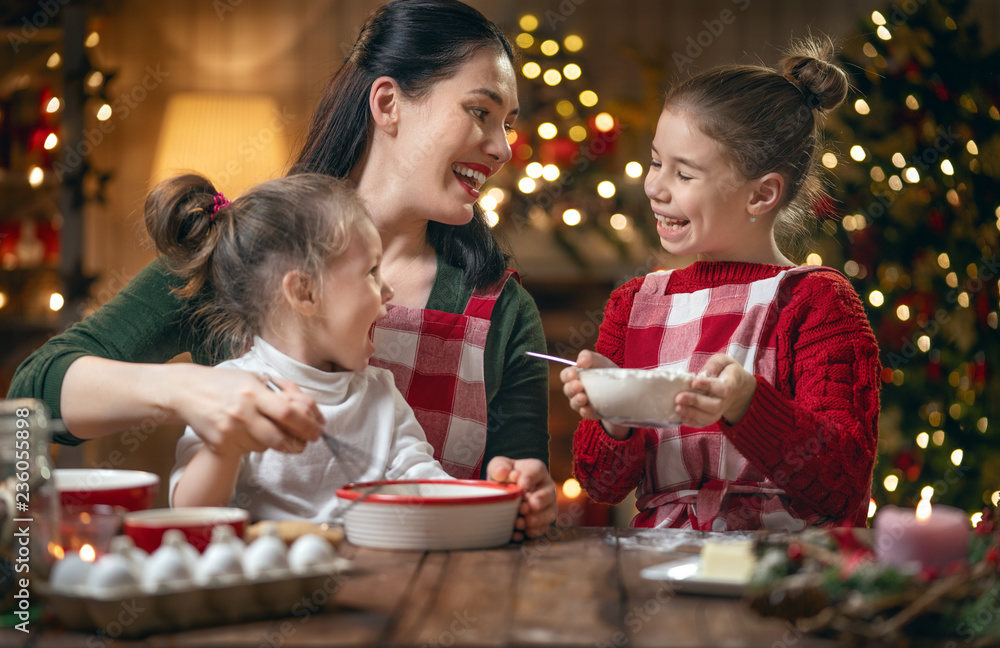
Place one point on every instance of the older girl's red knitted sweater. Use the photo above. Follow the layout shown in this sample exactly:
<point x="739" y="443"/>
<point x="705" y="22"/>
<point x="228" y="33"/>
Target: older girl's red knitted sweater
<point x="815" y="431"/>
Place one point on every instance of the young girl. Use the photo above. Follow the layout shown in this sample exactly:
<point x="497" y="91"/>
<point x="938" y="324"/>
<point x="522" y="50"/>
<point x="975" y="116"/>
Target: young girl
<point x="290" y="271"/>
<point x="779" y="429"/>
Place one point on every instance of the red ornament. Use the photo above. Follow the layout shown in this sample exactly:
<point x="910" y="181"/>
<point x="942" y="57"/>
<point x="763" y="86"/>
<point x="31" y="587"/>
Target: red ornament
<point x="904" y="460"/>
<point x="48" y="234"/>
<point x="601" y="143"/>
<point x="10" y="232"/>
<point x="982" y="306"/>
<point x="936" y="221"/>
<point x="37" y="139"/>
<point x="561" y="151"/>
<point x="979" y="370"/>
<point x="913" y="71"/>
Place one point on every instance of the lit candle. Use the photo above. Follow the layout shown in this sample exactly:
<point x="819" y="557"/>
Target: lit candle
<point x="931" y="539"/>
<point x="569" y="503"/>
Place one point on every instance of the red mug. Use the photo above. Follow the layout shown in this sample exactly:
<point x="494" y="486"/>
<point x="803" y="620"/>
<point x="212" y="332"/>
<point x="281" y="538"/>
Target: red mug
<point x="133" y="490"/>
<point x="146" y="528"/>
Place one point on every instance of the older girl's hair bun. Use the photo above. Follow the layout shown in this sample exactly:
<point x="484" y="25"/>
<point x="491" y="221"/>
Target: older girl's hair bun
<point x="810" y="65"/>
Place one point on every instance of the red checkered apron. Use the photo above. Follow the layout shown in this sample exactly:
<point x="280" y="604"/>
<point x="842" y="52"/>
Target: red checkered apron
<point x="694" y="477"/>
<point x="436" y="359"/>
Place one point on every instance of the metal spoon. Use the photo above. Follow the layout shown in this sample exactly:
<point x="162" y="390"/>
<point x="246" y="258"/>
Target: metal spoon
<point x="549" y="357"/>
<point x="340" y="450"/>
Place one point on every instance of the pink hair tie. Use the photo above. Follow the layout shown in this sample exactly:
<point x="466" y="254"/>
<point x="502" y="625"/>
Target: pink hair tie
<point x="218" y="203"/>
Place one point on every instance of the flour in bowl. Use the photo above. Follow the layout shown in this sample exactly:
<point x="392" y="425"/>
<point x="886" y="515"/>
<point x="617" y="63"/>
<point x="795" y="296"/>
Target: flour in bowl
<point x="637" y="396"/>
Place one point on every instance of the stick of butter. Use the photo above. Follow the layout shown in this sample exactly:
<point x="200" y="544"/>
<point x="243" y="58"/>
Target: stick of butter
<point x="728" y="561"/>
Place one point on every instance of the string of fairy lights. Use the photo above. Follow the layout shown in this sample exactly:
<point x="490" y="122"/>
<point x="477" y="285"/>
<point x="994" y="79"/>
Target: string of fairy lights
<point x="31" y="242"/>
<point x="543" y="151"/>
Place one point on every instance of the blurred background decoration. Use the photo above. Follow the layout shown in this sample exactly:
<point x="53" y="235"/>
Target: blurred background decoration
<point x="202" y="130"/>
<point x="100" y="98"/>
<point x="916" y="227"/>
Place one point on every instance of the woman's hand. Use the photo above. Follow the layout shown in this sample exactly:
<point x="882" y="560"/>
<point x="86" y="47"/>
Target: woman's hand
<point x="231" y="410"/>
<point x="538" y="509"/>
<point x="234" y="411"/>
<point x="723" y="390"/>
<point x="577" y="395"/>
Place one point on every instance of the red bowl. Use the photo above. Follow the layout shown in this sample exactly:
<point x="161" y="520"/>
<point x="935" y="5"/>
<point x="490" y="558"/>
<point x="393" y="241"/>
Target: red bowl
<point x="146" y="528"/>
<point x="134" y="490"/>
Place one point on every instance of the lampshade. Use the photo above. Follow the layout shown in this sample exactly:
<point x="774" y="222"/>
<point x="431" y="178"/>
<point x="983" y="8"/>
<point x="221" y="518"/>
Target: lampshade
<point x="234" y="140"/>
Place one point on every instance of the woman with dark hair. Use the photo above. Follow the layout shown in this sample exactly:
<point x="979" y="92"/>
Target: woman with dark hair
<point x="417" y="119"/>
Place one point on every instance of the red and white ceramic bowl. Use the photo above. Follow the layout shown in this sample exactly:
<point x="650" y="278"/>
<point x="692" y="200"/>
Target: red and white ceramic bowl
<point x="134" y="490"/>
<point x="428" y="515"/>
<point x="146" y="528"/>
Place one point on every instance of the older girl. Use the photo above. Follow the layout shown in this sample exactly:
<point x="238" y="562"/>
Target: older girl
<point x="779" y="430"/>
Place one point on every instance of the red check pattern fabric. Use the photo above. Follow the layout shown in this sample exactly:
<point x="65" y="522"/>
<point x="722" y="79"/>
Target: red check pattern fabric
<point x="695" y="477"/>
<point x="436" y="359"/>
<point x="812" y="426"/>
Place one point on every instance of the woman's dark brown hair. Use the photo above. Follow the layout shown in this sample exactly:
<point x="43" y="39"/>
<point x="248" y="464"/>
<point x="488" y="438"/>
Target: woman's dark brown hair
<point x="417" y="43"/>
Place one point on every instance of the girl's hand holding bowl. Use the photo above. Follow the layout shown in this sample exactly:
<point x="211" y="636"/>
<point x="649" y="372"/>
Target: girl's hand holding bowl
<point x="576" y="393"/>
<point x="722" y="390"/>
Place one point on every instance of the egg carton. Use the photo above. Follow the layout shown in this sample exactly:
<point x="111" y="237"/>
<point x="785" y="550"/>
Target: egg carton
<point x="129" y="593"/>
<point x="131" y="613"/>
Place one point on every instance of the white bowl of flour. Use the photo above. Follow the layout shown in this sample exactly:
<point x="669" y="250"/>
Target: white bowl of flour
<point x="635" y="396"/>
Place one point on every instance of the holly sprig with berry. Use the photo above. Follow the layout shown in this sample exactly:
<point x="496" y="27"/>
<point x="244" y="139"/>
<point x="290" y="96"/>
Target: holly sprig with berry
<point x="828" y="583"/>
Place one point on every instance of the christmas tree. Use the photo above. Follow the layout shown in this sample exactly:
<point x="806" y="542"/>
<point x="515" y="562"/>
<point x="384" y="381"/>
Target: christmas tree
<point x="574" y="175"/>
<point x="917" y="232"/>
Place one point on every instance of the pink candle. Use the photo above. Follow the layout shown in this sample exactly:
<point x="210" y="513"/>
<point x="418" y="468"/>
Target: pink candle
<point x="934" y="538"/>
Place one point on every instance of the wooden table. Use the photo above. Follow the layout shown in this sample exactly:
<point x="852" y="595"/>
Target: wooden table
<point x="573" y="587"/>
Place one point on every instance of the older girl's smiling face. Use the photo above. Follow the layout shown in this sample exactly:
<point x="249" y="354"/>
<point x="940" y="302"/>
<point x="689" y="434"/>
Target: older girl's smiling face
<point x="698" y="199"/>
<point x="454" y="136"/>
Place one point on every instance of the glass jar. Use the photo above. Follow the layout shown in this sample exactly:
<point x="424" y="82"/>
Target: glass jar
<point x="27" y="499"/>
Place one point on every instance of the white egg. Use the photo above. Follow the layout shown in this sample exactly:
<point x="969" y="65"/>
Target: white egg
<point x="265" y="555"/>
<point x="176" y="538"/>
<point x="70" y="573"/>
<point x="124" y="546"/>
<point x="112" y="573"/>
<point x="167" y="567"/>
<point x="227" y="534"/>
<point x="221" y="563"/>
<point x="308" y="551"/>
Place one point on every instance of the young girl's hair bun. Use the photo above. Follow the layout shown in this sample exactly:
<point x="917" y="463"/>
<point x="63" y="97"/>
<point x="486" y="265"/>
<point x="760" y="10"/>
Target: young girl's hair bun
<point x="182" y="220"/>
<point x="177" y="212"/>
<point x="810" y="65"/>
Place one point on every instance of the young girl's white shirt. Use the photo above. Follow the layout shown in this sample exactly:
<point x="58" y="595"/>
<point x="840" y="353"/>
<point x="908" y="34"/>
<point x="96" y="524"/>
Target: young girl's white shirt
<point x="364" y="410"/>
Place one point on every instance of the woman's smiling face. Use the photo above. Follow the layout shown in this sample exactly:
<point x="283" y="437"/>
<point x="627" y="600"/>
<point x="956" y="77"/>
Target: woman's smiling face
<point x="454" y="137"/>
